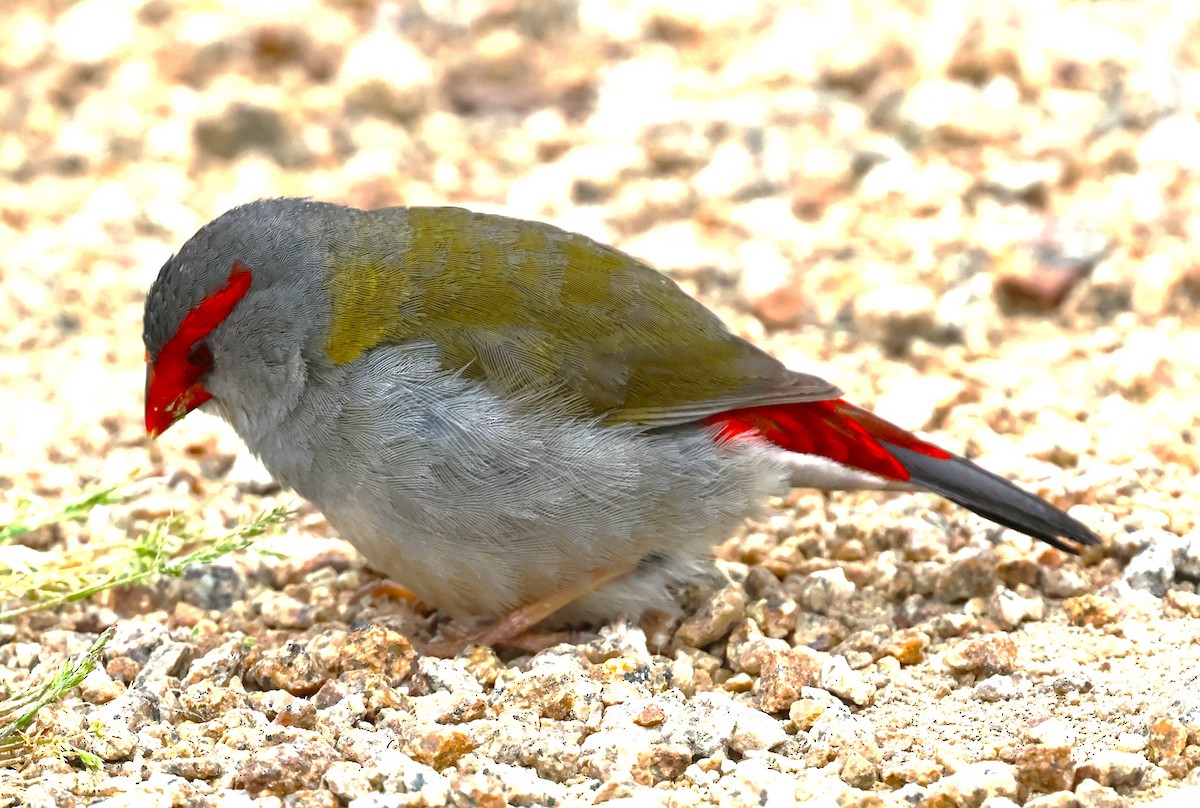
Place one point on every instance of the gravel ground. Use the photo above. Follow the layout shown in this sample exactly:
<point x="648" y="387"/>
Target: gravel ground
<point x="981" y="220"/>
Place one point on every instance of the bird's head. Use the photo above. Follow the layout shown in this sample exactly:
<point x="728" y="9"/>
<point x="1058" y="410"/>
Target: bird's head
<point x="230" y="318"/>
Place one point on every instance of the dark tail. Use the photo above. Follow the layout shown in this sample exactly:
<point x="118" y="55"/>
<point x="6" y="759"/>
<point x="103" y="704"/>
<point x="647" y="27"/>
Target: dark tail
<point x="854" y="437"/>
<point x="993" y="497"/>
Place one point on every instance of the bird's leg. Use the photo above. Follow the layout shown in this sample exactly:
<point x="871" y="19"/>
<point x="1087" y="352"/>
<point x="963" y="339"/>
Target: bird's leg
<point x="514" y="629"/>
<point x="528" y="642"/>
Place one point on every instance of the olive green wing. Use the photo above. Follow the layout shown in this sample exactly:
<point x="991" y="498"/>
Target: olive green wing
<point x="528" y="309"/>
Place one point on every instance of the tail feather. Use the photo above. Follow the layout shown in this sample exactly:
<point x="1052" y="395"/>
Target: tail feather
<point x="993" y="497"/>
<point x="854" y="437"/>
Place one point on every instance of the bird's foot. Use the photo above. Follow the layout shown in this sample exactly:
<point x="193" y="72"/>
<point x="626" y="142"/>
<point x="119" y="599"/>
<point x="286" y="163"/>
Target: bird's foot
<point x="528" y="642"/>
<point x="514" y="630"/>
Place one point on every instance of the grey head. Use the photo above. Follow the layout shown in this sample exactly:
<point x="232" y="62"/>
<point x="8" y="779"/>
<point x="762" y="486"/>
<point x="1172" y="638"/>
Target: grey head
<point x="246" y="346"/>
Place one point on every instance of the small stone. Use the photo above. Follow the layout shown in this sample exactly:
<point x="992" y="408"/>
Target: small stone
<point x="1184" y="603"/>
<point x="661" y="763"/>
<point x="115" y="726"/>
<point x="824" y="590"/>
<point x="1016" y="572"/>
<point x="651" y="716"/>
<point x="1059" y="799"/>
<point x="283" y="611"/>
<point x="1075" y="680"/>
<point x="297" y="712"/>
<point x="626" y="678"/>
<point x="804" y="713"/>
<point x="908" y="768"/>
<point x="738" y="683"/>
<point x="838" y="678"/>
<point x="98" y="687"/>
<point x="783" y="675"/>
<point x="918" y="538"/>
<point x="477" y="789"/>
<point x="1091" y="610"/>
<point x="482" y="665"/>
<point x="1024" y="181"/>
<point x="910" y="795"/>
<point x="998" y="802"/>
<point x="747" y="646"/>
<point x="731" y="173"/>
<point x="439" y="747"/>
<point x="166" y="662"/>
<point x="434" y="675"/>
<point x="954" y="624"/>
<point x="209" y="699"/>
<point x="908" y="646"/>
<point x="818" y="176"/>
<point x="1130" y="742"/>
<point x="1152" y="570"/>
<point x="1051" y="732"/>
<point x="285" y="768"/>
<point x="817" y="632"/>
<point x="560" y="695"/>
<point x="380" y="650"/>
<point x="1177" y="766"/>
<point x="996" y="688"/>
<point x="714" y="619"/>
<point x="185" y="615"/>
<point x="970" y="573"/>
<point x="220" y="665"/>
<point x="754" y="730"/>
<point x="1114" y="769"/>
<point x="26" y="37"/>
<point x="194" y="768"/>
<point x="986" y="655"/>
<point x="397" y="772"/>
<point x="135" y="639"/>
<point x="1040" y="275"/>
<point x="957" y="112"/>
<point x="858" y="771"/>
<point x="1045" y="768"/>
<point x="837" y="735"/>
<point x="297" y="667"/>
<point x="465" y="708"/>
<point x="1168" y="738"/>
<point x="1008" y="608"/>
<point x="1062" y="582"/>
<point x="687" y="675"/>
<point x="1187" y="557"/>
<point x="311" y="798"/>
<point x="216" y="586"/>
<point x="976" y="782"/>
<point x="1090" y="794"/>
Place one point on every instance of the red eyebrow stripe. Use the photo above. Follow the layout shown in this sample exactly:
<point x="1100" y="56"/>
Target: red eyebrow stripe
<point x="210" y="312"/>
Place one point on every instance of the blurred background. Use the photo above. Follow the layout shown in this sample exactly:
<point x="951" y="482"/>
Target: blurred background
<point x="991" y="208"/>
<point x="981" y="218"/>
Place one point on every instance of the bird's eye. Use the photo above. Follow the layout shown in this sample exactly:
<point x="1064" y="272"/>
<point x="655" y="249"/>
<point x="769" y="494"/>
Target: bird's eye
<point x="200" y="356"/>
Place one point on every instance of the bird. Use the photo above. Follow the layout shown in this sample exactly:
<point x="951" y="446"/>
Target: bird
<point x="509" y="420"/>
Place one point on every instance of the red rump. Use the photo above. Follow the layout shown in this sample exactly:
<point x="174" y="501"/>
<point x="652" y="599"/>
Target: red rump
<point x="834" y="429"/>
